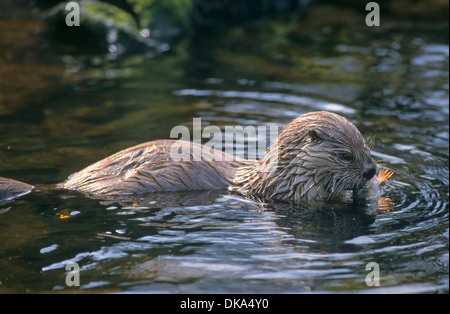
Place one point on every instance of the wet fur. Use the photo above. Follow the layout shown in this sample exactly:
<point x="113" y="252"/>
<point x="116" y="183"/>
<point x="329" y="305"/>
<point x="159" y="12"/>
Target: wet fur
<point x="149" y="168"/>
<point x="10" y="189"/>
<point x="310" y="166"/>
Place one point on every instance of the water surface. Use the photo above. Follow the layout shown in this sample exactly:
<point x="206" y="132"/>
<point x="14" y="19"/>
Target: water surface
<point x="61" y="112"/>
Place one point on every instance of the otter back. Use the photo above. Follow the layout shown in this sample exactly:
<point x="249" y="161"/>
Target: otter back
<point x="149" y="168"/>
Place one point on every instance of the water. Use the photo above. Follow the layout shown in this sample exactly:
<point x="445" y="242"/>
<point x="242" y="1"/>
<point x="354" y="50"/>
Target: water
<point x="60" y="113"/>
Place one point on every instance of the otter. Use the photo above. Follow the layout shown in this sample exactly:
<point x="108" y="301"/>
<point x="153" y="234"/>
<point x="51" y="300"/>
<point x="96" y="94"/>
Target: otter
<point x="319" y="157"/>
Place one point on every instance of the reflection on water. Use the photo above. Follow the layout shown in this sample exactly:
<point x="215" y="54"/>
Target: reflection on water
<point x="60" y="113"/>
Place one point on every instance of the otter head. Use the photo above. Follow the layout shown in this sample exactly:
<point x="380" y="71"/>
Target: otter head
<point x="320" y="156"/>
<point x="334" y="153"/>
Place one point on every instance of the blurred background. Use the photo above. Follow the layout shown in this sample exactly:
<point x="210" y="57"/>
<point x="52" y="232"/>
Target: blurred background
<point x="133" y="69"/>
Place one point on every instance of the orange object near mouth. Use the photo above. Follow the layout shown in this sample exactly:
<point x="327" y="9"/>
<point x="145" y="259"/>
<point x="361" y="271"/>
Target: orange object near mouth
<point x="384" y="203"/>
<point x="384" y="175"/>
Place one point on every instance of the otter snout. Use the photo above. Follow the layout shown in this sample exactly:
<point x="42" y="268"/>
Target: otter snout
<point x="370" y="171"/>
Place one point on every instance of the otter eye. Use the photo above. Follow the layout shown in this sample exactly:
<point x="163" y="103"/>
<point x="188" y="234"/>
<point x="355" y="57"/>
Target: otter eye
<point x="345" y="156"/>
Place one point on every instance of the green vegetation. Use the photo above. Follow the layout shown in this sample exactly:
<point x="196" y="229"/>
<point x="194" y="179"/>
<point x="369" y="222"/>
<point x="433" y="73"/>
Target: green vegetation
<point x="176" y="10"/>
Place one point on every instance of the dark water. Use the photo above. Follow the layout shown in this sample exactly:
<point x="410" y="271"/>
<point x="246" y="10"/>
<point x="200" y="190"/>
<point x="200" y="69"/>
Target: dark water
<point x="60" y="112"/>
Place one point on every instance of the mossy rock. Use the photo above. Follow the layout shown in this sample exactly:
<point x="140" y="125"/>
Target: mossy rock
<point x="102" y="29"/>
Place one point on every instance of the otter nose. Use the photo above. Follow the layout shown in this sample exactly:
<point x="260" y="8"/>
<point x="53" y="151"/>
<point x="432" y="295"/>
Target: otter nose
<point x="369" y="172"/>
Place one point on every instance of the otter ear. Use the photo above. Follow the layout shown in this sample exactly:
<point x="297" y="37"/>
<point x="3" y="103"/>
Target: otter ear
<point x="314" y="135"/>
